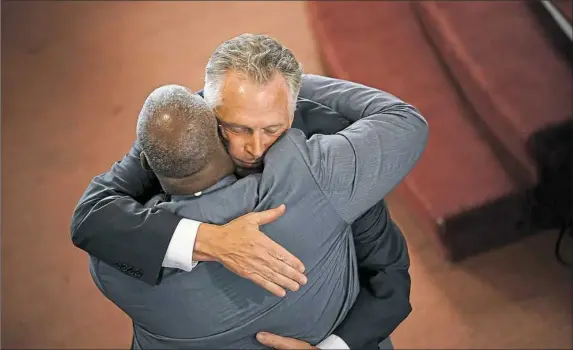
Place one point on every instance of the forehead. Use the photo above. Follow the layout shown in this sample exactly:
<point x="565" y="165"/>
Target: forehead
<point x="245" y="102"/>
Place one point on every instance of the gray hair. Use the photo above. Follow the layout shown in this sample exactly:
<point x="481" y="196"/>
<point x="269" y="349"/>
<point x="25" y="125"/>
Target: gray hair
<point x="177" y="131"/>
<point x="259" y="57"/>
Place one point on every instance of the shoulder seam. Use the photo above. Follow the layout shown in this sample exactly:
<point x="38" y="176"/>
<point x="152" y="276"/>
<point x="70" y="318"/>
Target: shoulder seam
<point x="316" y="181"/>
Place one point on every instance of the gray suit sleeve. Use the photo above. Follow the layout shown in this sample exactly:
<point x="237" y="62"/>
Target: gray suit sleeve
<point x="352" y="100"/>
<point x="358" y="166"/>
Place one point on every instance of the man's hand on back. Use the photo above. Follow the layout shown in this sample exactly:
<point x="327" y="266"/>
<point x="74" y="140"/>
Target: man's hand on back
<point x="242" y="248"/>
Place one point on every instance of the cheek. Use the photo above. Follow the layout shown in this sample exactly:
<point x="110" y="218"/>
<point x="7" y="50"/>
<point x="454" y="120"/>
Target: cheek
<point x="269" y="140"/>
<point x="235" y="145"/>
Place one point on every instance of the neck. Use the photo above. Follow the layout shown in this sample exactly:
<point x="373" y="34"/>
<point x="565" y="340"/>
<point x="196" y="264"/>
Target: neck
<point x="219" y="167"/>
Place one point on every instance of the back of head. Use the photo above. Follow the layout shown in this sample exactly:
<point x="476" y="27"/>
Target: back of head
<point x="258" y="57"/>
<point x="177" y="132"/>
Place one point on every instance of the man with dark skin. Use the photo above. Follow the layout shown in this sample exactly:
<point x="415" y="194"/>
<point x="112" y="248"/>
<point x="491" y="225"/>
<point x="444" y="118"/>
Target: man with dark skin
<point x="253" y="110"/>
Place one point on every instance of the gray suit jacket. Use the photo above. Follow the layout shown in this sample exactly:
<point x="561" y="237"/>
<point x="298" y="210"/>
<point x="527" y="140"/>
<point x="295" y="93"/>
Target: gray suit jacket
<point x="326" y="182"/>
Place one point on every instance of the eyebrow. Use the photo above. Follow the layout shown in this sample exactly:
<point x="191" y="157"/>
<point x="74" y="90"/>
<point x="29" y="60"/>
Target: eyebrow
<point x="273" y="126"/>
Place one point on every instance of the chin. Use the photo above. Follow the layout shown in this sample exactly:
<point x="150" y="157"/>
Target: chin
<point x="242" y="171"/>
<point x="242" y="164"/>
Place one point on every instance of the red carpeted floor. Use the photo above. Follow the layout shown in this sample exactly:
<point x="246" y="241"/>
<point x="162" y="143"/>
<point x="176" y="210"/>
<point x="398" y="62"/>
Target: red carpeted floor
<point x="566" y="7"/>
<point x="74" y="75"/>
<point x="484" y="90"/>
<point x="509" y="70"/>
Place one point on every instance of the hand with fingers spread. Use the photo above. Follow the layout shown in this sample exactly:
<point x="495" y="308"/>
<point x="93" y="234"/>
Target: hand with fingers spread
<point x="242" y="248"/>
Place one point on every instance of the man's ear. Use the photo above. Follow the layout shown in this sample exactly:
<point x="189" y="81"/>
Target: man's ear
<point x="144" y="162"/>
<point x="222" y="134"/>
<point x="290" y="121"/>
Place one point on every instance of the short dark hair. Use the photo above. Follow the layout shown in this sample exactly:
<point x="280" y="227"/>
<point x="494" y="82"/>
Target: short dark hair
<point x="177" y="131"/>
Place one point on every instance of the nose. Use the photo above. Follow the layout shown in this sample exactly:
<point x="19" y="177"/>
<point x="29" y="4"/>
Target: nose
<point x="255" y="146"/>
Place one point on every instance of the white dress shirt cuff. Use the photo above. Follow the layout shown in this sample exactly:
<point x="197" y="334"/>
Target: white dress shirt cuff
<point x="180" y="250"/>
<point x="333" y="342"/>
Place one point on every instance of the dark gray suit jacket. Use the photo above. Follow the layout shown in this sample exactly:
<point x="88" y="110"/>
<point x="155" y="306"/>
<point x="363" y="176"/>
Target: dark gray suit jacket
<point x="326" y="182"/>
<point x="111" y="223"/>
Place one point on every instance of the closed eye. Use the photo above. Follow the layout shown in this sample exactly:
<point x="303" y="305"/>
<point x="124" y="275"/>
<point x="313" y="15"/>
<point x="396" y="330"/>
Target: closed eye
<point x="272" y="131"/>
<point x="239" y="130"/>
<point x="236" y="129"/>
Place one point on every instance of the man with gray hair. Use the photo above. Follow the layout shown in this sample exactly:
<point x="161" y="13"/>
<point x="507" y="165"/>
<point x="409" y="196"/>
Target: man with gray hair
<point x="252" y="82"/>
<point x="327" y="182"/>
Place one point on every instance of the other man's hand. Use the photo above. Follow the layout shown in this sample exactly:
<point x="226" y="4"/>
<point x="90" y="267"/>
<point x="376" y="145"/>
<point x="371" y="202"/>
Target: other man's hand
<point x="242" y="248"/>
<point x="282" y="343"/>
